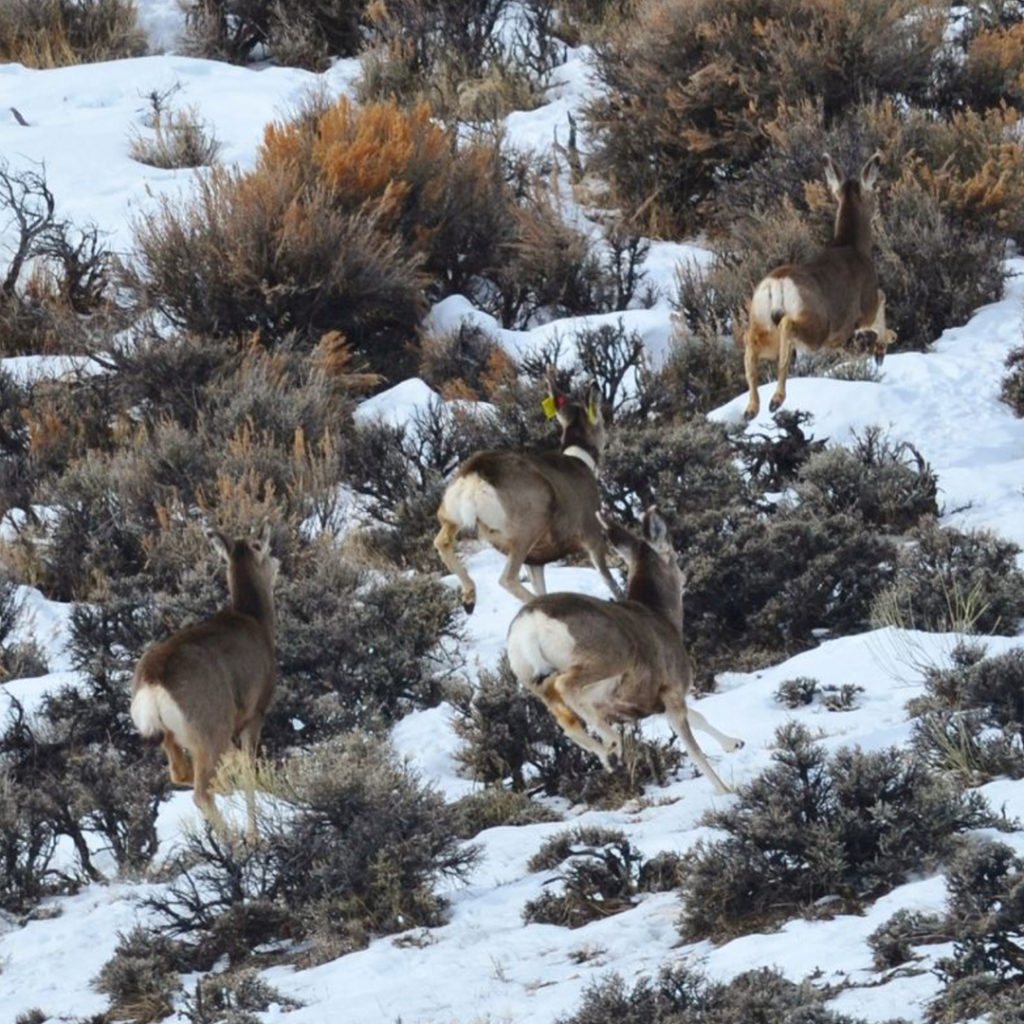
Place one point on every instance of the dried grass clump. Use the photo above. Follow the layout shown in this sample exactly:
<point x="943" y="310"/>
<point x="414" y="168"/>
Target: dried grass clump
<point x="53" y="33"/>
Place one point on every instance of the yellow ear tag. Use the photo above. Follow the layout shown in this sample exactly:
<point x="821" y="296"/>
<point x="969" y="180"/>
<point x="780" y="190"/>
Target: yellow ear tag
<point x="592" y="412"/>
<point x="548" y="405"/>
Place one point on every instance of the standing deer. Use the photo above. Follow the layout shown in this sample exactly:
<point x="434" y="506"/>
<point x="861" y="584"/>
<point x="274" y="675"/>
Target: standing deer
<point x="824" y="302"/>
<point x="600" y="663"/>
<point x="534" y="509"/>
<point x="210" y="684"/>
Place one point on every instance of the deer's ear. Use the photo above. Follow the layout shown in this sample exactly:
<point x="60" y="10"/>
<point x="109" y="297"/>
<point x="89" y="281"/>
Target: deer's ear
<point x="832" y="179"/>
<point x="620" y="538"/>
<point x="261" y="546"/>
<point x="594" y="404"/>
<point x="869" y="172"/>
<point x="219" y="543"/>
<point x="656" y="531"/>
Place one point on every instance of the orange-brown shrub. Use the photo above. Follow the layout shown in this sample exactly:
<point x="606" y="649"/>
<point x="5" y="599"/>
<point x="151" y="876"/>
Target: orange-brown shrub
<point x="348" y="215"/>
<point x="690" y="87"/>
<point x="993" y="72"/>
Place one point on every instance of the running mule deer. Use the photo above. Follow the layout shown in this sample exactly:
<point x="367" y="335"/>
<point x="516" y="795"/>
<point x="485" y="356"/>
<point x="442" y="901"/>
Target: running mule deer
<point x="210" y="685"/>
<point x="534" y="509"/>
<point x="600" y="663"/>
<point x="827" y="300"/>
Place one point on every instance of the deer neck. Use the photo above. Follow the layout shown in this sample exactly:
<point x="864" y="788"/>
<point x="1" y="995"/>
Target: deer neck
<point x="652" y="587"/>
<point x="853" y="224"/>
<point x="248" y="598"/>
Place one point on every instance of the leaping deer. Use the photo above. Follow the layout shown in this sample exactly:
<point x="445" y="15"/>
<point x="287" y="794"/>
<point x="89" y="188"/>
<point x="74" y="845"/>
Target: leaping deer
<point x="599" y="663"/>
<point x="534" y="509"/>
<point x="827" y="300"/>
<point x="211" y="684"/>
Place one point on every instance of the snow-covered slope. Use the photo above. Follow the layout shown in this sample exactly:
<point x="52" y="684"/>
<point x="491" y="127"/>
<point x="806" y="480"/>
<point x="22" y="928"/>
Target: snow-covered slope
<point x="485" y="964"/>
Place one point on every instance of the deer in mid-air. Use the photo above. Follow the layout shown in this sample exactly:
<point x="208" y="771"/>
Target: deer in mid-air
<point x="827" y="300"/>
<point x="534" y="508"/>
<point x="596" y="664"/>
<point x="209" y="685"/>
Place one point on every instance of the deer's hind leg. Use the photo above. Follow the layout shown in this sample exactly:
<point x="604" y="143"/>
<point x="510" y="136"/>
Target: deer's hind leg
<point x="177" y="760"/>
<point x="551" y="691"/>
<point x="678" y="714"/>
<point x="698" y="721"/>
<point x="444" y="543"/>
<point x="205" y="767"/>
<point x="249" y="741"/>
<point x="789" y="333"/>
<point x="509" y="578"/>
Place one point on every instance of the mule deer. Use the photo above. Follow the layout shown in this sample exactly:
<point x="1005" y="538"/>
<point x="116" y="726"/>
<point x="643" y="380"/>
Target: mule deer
<point x="600" y="663"/>
<point x="534" y="509"/>
<point x="827" y="300"/>
<point x="210" y="684"/>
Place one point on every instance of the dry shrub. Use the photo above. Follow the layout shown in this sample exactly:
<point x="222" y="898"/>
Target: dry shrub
<point x="688" y="88"/>
<point x="292" y="32"/>
<point x="985" y="915"/>
<point x="679" y="995"/>
<point x="850" y="826"/>
<point x="1012" y="388"/>
<point x="248" y="254"/>
<point x="474" y="60"/>
<point x="332" y="232"/>
<point x="601" y="874"/>
<point x="954" y="580"/>
<point x="53" y="274"/>
<point x="355" y="848"/>
<point x="52" y="33"/>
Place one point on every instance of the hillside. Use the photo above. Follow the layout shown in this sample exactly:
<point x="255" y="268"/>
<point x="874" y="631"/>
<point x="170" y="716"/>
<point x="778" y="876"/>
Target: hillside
<point x="855" y="618"/>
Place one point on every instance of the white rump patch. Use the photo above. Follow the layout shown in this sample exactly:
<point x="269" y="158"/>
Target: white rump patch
<point x="539" y="645"/>
<point x="470" y="500"/>
<point x="774" y="295"/>
<point x="154" y="711"/>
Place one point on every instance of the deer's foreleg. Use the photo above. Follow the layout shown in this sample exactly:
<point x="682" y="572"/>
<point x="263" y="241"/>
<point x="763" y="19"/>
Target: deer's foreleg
<point x="597" y="550"/>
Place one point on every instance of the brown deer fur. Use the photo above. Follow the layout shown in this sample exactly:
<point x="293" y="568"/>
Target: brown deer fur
<point x="534" y="509"/>
<point x="209" y="685"/>
<point x="599" y="663"/>
<point x="827" y="300"/>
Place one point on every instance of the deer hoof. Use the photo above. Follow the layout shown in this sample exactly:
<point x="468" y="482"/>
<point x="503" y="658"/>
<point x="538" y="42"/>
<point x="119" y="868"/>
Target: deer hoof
<point x="469" y="605"/>
<point x="749" y="413"/>
<point x="776" y="401"/>
<point x="879" y="358"/>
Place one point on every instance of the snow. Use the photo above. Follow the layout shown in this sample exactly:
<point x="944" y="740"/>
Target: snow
<point x="484" y="963"/>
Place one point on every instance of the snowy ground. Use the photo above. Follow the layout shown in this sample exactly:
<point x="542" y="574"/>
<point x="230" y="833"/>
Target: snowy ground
<point x="485" y="964"/>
